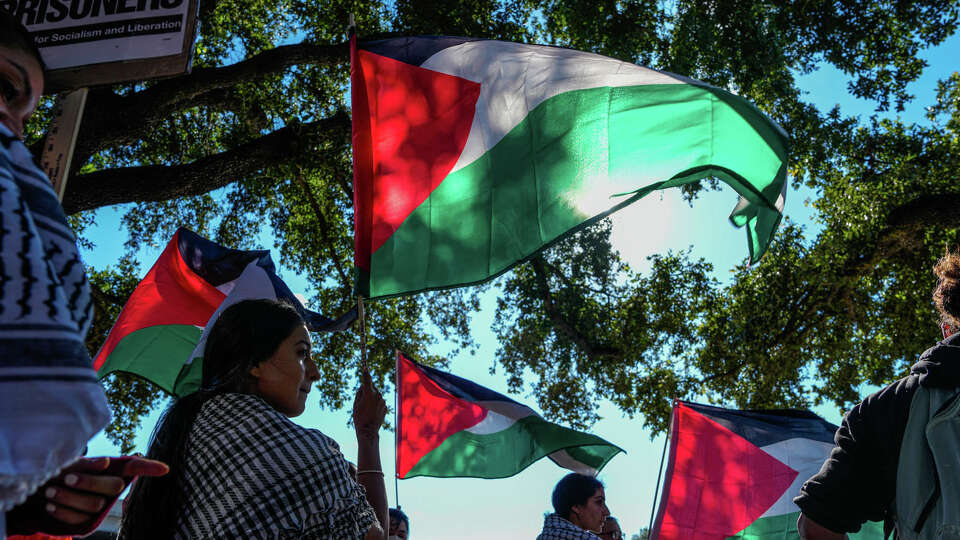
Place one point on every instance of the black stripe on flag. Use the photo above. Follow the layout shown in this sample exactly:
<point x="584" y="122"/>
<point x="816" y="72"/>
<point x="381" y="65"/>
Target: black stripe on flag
<point x="413" y="50"/>
<point x="216" y="264"/>
<point x="766" y="427"/>
<point x="460" y="387"/>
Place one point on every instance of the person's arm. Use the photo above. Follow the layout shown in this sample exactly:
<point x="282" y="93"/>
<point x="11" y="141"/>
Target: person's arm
<point x="856" y="483"/>
<point x="369" y="410"/>
<point x="811" y="530"/>
<point x="72" y="502"/>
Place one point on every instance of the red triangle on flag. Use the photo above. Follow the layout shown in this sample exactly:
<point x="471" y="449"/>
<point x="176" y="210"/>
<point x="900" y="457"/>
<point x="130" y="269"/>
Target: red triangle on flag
<point x="170" y="294"/>
<point x="717" y="483"/>
<point x="410" y="125"/>
<point x="428" y="415"/>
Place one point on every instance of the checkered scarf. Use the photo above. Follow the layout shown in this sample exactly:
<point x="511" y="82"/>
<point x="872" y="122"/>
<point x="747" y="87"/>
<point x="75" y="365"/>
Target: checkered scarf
<point x="252" y="473"/>
<point x="557" y="528"/>
<point x="50" y="401"/>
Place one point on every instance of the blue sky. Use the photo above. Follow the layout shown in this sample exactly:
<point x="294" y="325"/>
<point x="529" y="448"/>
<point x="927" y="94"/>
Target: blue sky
<point x="513" y="507"/>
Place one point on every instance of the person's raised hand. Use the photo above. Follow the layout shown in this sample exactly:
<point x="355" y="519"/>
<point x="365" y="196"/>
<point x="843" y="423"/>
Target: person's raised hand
<point x="369" y="408"/>
<point x="76" y="499"/>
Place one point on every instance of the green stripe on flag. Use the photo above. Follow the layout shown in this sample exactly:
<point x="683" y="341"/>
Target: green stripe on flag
<point x="190" y="378"/>
<point x="784" y="527"/>
<point x="507" y="452"/>
<point x="156" y="353"/>
<point x="560" y="168"/>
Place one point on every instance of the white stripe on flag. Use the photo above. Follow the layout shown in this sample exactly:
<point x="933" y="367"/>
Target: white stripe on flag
<point x="802" y="455"/>
<point x="500" y="416"/>
<point x="563" y="459"/>
<point x="515" y="78"/>
<point x="253" y="282"/>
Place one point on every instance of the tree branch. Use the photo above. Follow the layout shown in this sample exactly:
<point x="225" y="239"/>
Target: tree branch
<point x="566" y="279"/>
<point x="935" y="210"/>
<point x="902" y="236"/>
<point x="103" y="297"/>
<point x="591" y="349"/>
<point x="112" y="120"/>
<point x="158" y="182"/>
<point x="735" y="370"/>
<point x="324" y="228"/>
<point x="901" y="239"/>
<point x="206" y="9"/>
<point x="346" y="187"/>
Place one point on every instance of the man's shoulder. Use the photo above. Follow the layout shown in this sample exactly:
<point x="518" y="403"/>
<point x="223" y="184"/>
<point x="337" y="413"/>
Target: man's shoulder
<point x="895" y="396"/>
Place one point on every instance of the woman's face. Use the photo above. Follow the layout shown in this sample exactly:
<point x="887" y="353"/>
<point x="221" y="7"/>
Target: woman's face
<point x="592" y="514"/>
<point x="285" y="379"/>
<point x="21" y="83"/>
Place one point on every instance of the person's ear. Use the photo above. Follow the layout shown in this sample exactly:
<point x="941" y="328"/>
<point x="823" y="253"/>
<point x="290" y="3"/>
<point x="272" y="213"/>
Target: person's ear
<point x="255" y="371"/>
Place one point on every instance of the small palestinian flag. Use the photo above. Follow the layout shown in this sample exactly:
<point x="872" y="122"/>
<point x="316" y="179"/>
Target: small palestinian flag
<point x="451" y="427"/>
<point x="471" y="155"/>
<point x="734" y="474"/>
<point x="160" y="334"/>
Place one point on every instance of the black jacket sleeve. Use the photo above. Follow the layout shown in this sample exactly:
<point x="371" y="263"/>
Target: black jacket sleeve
<point x="856" y="483"/>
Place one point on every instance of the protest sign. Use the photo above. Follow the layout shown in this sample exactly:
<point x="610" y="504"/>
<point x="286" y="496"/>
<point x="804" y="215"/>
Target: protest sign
<point x="90" y="42"/>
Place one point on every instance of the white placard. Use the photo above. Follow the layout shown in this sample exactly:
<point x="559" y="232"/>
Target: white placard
<point x="76" y="35"/>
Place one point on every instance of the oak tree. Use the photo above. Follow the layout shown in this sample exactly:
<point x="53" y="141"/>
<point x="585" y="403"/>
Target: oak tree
<point x="254" y="143"/>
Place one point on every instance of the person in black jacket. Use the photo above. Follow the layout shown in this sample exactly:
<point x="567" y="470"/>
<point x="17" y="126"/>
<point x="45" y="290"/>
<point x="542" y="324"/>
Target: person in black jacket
<point x="857" y="482"/>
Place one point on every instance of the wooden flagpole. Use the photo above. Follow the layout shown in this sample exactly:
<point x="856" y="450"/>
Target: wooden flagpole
<point x="663" y="455"/>
<point x="396" y="430"/>
<point x="364" y="366"/>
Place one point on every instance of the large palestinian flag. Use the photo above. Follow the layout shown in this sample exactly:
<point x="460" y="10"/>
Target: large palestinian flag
<point x="451" y="427"/>
<point x="734" y="474"/>
<point x="160" y="334"/>
<point x="471" y="155"/>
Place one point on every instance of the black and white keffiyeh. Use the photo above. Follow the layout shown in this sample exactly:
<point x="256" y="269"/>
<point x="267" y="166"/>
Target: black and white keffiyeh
<point x="249" y="472"/>
<point x="50" y="401"/>
<point x="557" y="528"/>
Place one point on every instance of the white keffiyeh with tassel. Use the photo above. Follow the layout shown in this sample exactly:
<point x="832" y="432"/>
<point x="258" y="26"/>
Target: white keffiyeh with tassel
<point x="50" y="401"/>
<point x="557" y="528"/>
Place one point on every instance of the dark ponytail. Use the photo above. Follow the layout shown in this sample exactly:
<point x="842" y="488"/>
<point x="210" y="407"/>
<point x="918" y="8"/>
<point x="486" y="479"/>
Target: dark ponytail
<point x="245" y="334"/>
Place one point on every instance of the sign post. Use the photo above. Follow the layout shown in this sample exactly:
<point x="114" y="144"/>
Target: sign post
<point x="62" y="137"/>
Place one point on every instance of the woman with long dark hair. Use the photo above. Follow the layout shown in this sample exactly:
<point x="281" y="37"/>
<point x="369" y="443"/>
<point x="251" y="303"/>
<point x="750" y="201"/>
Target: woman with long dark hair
<point x="239" y="466"/>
